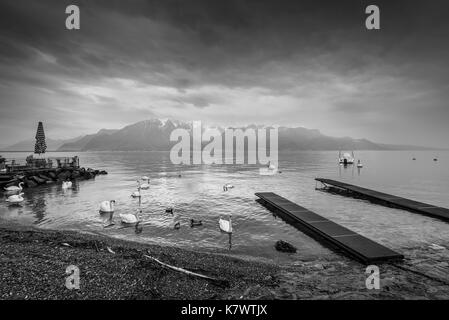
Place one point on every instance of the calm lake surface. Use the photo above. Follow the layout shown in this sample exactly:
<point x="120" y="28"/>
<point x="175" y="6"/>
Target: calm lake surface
<point x="199" y="194"/>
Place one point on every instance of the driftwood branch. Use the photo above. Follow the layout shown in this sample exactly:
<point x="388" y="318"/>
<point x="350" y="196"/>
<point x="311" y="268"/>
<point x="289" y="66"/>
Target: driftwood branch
<point x="217" y="281"/>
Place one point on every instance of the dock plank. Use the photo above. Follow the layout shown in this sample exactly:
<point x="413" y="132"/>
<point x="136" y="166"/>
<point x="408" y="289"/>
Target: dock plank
<point x="403" y="203"/>
<point x="347" y="241"/>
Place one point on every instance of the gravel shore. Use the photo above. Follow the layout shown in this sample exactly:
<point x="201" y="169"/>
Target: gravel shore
<point x="33" y="265"/>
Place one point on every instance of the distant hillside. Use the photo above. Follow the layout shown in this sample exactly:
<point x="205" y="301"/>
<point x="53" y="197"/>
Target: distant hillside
<point x="144" y="135"/>
<point x="154" y="135"/>
<point x="81" y="143"/>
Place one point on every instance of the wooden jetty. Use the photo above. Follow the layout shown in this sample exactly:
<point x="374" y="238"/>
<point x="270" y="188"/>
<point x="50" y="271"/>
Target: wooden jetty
<point x="336" y="236"/>
<point x="388" y="199"/>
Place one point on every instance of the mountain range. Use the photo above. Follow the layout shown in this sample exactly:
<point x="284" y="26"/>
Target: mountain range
<point x="154" y="135"/>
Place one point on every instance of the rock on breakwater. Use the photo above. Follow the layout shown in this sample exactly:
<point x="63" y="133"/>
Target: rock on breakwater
<point x="33" y="178"/>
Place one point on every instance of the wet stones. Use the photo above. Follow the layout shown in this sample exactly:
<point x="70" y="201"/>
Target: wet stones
<point x="34" y="179"/>
<point x="30" y="183"/>
<point x="38" y="180"/>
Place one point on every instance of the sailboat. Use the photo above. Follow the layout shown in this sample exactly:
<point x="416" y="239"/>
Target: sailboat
<point x="346" y="158"/>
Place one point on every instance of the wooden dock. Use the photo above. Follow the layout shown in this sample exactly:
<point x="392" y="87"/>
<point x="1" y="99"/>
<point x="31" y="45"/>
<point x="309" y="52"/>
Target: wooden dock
<point x="390" y="200"/>
<point x="336" y="236"/>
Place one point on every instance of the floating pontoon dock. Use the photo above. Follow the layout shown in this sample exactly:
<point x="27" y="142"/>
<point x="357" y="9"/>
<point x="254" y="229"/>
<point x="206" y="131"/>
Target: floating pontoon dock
<point x="391" y="200"/>
<point x="338" y="237"/>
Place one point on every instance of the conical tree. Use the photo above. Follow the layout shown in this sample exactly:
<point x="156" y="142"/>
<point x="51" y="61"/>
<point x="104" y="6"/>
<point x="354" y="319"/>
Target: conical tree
<point x="40" y="145"/>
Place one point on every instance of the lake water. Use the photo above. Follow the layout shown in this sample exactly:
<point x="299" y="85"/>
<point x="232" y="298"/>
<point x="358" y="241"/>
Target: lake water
<point x="199" y="194"/>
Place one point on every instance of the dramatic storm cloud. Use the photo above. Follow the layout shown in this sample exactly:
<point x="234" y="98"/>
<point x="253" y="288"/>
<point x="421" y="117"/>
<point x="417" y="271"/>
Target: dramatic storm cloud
<point x="296" y="63"/>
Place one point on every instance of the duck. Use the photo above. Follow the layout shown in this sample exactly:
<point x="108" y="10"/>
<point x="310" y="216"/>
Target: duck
<point x="177" y="225"/>
<point x="17" y="198"/>
<point x="107" y="206"/>
<point x="66" y="184"/>
<point x="225" y="225"/>
<point x="15" y="188"/>
<point x="129" y="218"/>
<point x="195" y="223"/>
<point x="169" y="210"/>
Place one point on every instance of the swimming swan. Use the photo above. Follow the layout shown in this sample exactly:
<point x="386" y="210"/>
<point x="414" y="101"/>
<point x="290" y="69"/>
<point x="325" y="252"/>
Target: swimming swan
<point x="129" y="218"/>
<point x="67" y="184"/>
<point x="15" y="188"/>
<point x="227" y="186"/>
<point x="17" y="198"/>
<point x="107" y="206"/>
<point x="136" y="194"/>
<point x="226" y="225"/>
<point x="146" y="185"/>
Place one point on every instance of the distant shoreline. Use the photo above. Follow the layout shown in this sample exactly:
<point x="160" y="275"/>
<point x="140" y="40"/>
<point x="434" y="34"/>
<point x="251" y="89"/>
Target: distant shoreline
<point x="66" y="151"/>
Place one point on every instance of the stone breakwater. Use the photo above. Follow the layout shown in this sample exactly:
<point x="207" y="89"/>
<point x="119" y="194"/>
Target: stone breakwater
<point x="46" y="176"/>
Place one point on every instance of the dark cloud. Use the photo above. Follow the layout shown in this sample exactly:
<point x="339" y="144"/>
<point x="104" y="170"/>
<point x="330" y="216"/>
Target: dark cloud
<point x="308" y="63"/>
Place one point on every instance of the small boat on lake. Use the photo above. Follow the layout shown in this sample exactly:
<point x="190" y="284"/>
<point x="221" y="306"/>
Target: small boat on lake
<point x="346" y="158"/>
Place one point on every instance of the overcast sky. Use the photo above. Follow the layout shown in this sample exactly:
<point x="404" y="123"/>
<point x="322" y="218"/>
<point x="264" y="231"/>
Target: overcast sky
<point x="228" y="62"/>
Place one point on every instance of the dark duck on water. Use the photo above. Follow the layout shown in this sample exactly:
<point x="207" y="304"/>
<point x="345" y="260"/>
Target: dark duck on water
<point x="195" y="223"/>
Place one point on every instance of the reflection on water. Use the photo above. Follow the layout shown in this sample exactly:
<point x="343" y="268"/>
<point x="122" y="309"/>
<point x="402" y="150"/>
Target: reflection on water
<point x="196" y="192"/>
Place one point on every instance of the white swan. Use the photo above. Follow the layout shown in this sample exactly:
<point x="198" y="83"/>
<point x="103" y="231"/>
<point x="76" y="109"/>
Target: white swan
<point x="17" y="198"/>
<point x="129" y="218"/>
<point x="226" y="225"/>
<point x="66" y="184"/>
<point x="107" y="206"/>
<point x="15" y="188"/>
<point x="227" y="186"/>
<point x="146" y="185"/>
